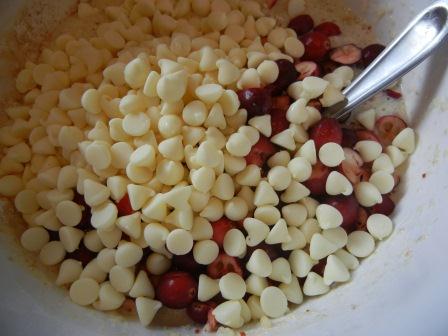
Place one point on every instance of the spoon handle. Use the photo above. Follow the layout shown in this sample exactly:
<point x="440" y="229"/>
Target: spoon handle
<point x="425" y="33"/>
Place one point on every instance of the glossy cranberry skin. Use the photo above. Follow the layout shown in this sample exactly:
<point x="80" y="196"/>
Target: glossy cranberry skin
<point x="187" y="263"/>
<point x="386" y="207"/>
<point x="257" y="101"/>
<point x="222" y="265"/>
<point x="198" y="311"/>
<point x="371" y="52"/>
<point x="348" y="138"/>
<point x="348" y="207"/>
<point x="316" y="45"/>
<point x="301" y="24"/>
<point x="326" y="130"/>
<point x="328" y="28"/>
<point x="177" y="290"/>
<point x="286" y="76"/>
<point x="220" y="229"/>
<point x="124" y="206"/>
<point x="318" y="179"/>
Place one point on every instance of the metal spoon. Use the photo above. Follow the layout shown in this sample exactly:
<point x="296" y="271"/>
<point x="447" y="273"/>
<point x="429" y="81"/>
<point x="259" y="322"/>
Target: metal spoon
<point x="420" y="38"/>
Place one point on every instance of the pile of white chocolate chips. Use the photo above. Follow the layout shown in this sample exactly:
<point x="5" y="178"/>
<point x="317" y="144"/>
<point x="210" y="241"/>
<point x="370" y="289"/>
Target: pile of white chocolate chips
<point x="144" y="121"/>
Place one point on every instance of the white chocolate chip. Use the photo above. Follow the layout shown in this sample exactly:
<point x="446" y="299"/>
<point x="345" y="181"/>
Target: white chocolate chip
<point x="229" y="314"/>
<point x="34" y="238"/>
<point x="360" y="244"/>
<point x="405" y="140"/>
<point x="284" y="139"/>
<point x="121" y="278"/>
<point x="300" y="169"/>
<point x="367" y="118"/>
<point x="262" y="124"/>
<point x="84" y="291"/>
<point x="257" y="231"/>
<point x="369" y="150"/>
<point x="69" y="271"/>
<point x="314" y="285"/>
<point x="142" y="286"/>
<point x="265" y="195"/>
<point x="52" y="253"/>
<point x="70" y="237"/>
<point x="259" y="263"/>
<point x="147" y="309"/>
<point x="281" y="271"/>
<point x="367" y="194"/>
<point x="234" y="243"/>
<point x="179" y="242"/>
<point x="335" y="271"/>
<point x="349" y="260"/>
<point x="232" y="286"/>
<point x="297" y="241"/>
<point x="379" y="226"/>
<point x="301" y="263"/>
<point x="331" y="154"/>
<point x="338" y="184"/>
<point x="207" y="288"/>
<point x="158" y="264"/>
<point x="128" y="254"/>
<point x="273" y="302"/>
<point x="238" y="145"/>
<point x="255" y="284"/>
<point x="383" y="181"/>
<point x="328" y="216"/>
<point x="292" y="291"/>
<point x="279" y="178"/>
<point x="205" y="252"/>
<point x="279" y="233"/>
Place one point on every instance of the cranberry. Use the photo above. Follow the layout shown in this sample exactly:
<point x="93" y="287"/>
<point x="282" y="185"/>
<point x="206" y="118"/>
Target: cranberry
<point x="222" y="265"/>
<point x="361" y="224"/>
<point x="82" y="254"/>
<point x="328" y="28"/>
<point x="271" y="3"/>
<point x="220" y="228"/>
<point x="366" y="135"/>
<point x="212" y="324"/>
<point x="281" y="102"/>
<point x="124" y="206"/>
<point x="348" y="137"/>
<point x="177" y="290"/>
<point x="287" y="75"/>
<point x="257" y="101"/>
<point x="348" y="207"/>
<point x="85" y="223"/>
<point x="318" y="179"/>
<point x="352" y="166"/>
<point x="387" y="128"/>
<point x="326" y="130"/>
<point x="319" y="268"/>
<point x="260" y="152"/>
<point x="273" y="251"/>
<point x="316" y="104"/>
<point x="279" y="123"/>
<point x="316" y="46"/>
<point x="347" y="55"/>
<point x="187" y="263"/>
<point x="386" y="207"/>
<point x="198" y="311"/>
<point x="328" y="66"/>
<point x="393" y="94"/>
<point x="307" y="69"/>
<point x="301" y="24"/>
<point x="371" y="52"/>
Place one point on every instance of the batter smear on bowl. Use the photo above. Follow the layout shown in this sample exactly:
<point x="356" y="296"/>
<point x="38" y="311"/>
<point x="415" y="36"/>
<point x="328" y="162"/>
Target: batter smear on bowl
<point x="179" y="157"/>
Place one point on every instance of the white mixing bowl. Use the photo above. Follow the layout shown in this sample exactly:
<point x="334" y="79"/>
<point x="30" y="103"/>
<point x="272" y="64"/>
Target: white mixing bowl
<point x="400" y="290"/>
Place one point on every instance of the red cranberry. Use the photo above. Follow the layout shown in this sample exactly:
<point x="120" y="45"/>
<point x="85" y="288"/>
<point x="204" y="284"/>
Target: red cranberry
<point x="187" y="263"/>
<point x="348" y="207"/>
<point x="393" y="94"/>
<point x="307" y="69"/>
<point x="257" y="101"/>
<point x="328" y="66"/>
<point x="328" y="28"/>
<point x="82" y="254"/>
<point x="301" y="24"/>
<point x="273" y="251"/>
<point x="386" y="207"/>
<point x="287" y="75"/>
<point x="260" y="152"/>
<point x="366" y="135"/>
<point x="352" y="166"/>
<point x="124" y="206"/>
<point x="281" y="102"/>
<point x="220" y="228"/>
<point x="387" y="128"/>
<point x="222" y="265"/>
<point x="85" y="223"/>
<point x="348" y="137"/>
<point x="271" y="3"/>
<point x="316" y="46"/>
<point x="177" y="290"/>
<point x="198" y="311"/>
<point x="212" y="324"/>
<point x="279" y="123"/>
<point x="319" y="268"/>
<point x="326" y="130"/>
<point x="347" y="55"/>
<point x="316" y="104"/>
<point x="318" y="179"/>
<point x="371" y="52"/>
<point x="361" y="224"/>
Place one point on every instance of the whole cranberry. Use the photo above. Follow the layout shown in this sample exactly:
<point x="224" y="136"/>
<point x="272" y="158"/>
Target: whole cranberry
<point x="371" y="52"/>
<point x="198" y="311"/>
<point x="316" y="45"/>
<point x="177" y="290"/>
<point x="187" y="264"/>
<point x="386" y="207"/>
<point x="326" y="130"/>
<point x="287" y="75"/>
<point x="257" y="101"/>
<point x="301" y="24"/>
<point x="348" y="207"/>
